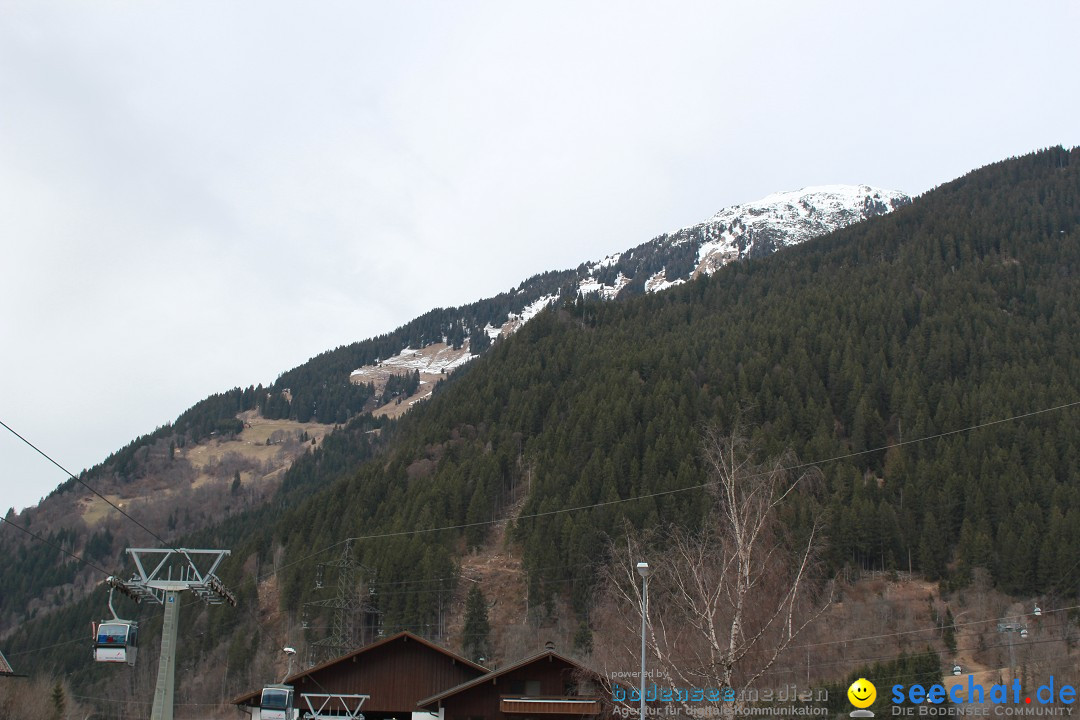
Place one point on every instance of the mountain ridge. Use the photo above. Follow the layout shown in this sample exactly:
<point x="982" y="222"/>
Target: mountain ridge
<point x="361" y="389"/>
<point x="946" y="314"/>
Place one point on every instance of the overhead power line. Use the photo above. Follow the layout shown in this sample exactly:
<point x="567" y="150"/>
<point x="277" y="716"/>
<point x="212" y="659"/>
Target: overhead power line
<point x="661" y="493"/>
<point x="79" y="480"/>
<point x="50" y="543"/>
<point x="549" y="513"/>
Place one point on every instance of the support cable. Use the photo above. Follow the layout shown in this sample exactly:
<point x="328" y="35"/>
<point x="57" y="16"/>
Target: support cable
<point x="71" y="475"/>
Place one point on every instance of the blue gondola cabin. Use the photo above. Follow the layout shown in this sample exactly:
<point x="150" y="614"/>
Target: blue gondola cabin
<point x="116" y="642"/>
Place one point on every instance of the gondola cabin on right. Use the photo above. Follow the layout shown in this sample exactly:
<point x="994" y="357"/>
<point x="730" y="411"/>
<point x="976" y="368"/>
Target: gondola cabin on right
<point x="116" y="641"/>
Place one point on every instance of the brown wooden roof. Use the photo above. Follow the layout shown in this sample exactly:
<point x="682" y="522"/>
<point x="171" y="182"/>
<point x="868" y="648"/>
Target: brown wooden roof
<point x="548" y="655"/>
<point x="396" y="672"/>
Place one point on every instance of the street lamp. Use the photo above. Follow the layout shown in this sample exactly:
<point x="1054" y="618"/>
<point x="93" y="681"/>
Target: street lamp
<point x="290" y="652"/>
<point x="644" y="571"/>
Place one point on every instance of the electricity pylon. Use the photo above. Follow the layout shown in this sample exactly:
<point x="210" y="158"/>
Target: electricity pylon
<point x="159" y="586"/>
<point x="353" y="610"/>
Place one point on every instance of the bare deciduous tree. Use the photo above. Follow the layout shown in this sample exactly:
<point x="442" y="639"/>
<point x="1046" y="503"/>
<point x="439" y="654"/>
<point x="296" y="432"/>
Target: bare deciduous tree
<point x="726" y="601"/>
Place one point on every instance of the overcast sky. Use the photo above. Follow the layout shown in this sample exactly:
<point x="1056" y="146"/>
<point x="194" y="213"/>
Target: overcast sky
<point x="200" y="195"/>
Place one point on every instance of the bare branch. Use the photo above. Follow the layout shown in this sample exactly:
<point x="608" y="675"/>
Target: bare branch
<point x="726" y="602"/>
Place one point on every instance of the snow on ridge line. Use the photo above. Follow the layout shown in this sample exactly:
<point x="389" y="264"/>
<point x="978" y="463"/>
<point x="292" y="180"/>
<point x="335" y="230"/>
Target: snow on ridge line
<point x="850" y="192"/>
<point x="779" y="219"/>
<point x="609" y="260"/>
<point x="840" y="197"/>
<point x="796" y="216"/>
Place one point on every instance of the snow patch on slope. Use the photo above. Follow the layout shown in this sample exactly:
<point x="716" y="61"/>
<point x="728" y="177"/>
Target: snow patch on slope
<point x="515" y="320"/>
<point x="607" y="292"/>
<point x="432" y="360"/>
<point x="659" y="282"/>
<point x="534" y="308"/>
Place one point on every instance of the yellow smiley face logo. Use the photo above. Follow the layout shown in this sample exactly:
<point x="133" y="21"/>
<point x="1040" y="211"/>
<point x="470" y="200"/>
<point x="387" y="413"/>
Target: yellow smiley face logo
<point x="862" y="693"/>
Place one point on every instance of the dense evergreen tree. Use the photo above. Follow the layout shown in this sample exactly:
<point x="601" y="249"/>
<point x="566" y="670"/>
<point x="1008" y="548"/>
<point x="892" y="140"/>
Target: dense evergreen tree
<point x="59" y="701"/>
<point x="477" y="634"/>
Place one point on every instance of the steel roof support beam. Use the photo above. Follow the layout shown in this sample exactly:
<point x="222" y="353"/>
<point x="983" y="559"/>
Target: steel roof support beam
<point x="334" y="705"/>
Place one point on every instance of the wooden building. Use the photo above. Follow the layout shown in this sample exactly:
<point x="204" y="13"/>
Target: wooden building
<point x="396" y="672"/>
<point x="546" y="685"/>
<point x="5" y="667"/>
<point x="409" y="678"/>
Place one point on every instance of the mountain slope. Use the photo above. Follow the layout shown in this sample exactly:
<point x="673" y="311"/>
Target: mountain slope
<point x="914" y="324"/>
<point x="956" y="311"/>
<point x="917" y="323"/>
<point x="164" y="466"/>
<point x="351" y="380"/>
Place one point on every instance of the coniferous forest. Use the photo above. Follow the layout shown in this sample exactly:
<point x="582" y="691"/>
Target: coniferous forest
<point x="925" y="361"/>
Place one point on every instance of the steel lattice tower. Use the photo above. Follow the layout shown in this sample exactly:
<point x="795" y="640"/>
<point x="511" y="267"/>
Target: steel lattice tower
<point x="354" y="621"/>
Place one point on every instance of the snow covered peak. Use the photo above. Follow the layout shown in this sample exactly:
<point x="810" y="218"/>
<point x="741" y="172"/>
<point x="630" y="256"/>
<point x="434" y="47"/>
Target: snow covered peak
<point x="785" y="218"/>
<point x="816" y="206"/>
<point x="752" y="229"/>
<point x="835" y="198"/>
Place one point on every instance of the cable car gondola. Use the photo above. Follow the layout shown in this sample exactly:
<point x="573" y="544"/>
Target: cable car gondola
<point x="116" y="640"/>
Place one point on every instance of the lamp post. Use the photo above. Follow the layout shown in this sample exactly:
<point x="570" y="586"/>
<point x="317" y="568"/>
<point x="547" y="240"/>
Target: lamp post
<point x="290" y="652"/>
<point x="644" y="571"/>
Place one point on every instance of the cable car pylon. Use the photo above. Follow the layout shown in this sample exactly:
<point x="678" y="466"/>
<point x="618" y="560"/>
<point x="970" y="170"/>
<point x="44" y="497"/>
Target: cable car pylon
<point x="159" y="586"/>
